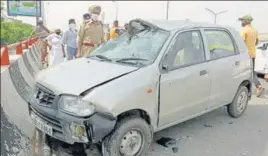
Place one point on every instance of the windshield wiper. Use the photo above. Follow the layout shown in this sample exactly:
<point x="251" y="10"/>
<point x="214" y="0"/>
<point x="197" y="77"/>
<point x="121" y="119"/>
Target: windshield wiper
<point x="130" y="59"/>
<point x="126" y="60"/>
<point x="100" y="57"/>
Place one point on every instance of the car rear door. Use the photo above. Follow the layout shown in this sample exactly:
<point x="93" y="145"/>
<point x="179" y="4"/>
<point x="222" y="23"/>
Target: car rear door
<point x="228" y="67"/>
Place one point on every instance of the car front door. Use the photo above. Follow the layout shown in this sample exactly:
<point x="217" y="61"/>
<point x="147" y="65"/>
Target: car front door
<point x="185" y="84"/>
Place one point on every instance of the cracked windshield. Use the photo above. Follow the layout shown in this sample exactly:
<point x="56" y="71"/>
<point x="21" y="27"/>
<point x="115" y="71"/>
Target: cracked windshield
<point x="142" y="47"/>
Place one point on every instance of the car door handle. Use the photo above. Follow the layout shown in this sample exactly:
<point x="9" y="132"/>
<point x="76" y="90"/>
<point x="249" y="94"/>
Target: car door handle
<point x="203" y="72"/>
<point x="237" y="63"/>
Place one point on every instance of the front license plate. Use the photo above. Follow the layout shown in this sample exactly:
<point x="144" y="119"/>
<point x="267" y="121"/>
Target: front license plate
<point x="43" y="127"/>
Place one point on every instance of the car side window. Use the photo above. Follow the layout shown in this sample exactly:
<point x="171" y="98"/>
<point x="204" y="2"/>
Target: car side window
<point x="220" y="44"/>
<point x="187" y="49"/>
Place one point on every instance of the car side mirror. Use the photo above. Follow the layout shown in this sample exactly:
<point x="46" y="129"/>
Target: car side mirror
<point x="165" y="65"/>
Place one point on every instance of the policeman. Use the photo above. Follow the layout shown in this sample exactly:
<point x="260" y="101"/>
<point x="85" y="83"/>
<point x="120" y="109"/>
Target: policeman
<point x="41" y="32"/>
<point x="91" y="33"/>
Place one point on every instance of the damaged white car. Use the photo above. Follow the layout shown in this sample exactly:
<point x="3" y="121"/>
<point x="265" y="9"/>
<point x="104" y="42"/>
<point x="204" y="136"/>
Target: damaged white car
<point x="158" y="74"/>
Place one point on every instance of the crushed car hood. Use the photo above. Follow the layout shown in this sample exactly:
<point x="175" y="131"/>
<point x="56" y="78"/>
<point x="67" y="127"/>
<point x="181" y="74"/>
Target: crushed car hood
<point x="77" y="76"/>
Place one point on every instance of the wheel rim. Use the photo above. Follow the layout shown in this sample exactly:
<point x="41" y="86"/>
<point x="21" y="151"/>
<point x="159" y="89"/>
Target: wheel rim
<point x="131" y="143"/>
<point x="242" y="101"/>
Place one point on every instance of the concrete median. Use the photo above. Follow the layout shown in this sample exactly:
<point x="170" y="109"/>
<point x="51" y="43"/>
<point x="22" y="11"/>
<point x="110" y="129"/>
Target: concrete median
<point x="35" y="59"/>
<point x="17" y="82"/>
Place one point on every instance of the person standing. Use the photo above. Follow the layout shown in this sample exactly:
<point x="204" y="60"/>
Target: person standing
<point x="42" y="33"/>
<point x="106" y="32"/>
<point x="114" y="31"/>
<point x="57" y="53"/>
<point x="91" y="33"/>
<point x="69" y="39"/>
<point x="250" y="37"/>
<point x="86" y="16"/>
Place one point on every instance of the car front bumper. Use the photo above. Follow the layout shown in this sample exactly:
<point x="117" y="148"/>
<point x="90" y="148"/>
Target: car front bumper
<point x="71" y="129"/>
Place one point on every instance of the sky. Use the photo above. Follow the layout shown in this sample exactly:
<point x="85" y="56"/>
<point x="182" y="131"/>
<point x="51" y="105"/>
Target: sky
<point x="57" y="13"/>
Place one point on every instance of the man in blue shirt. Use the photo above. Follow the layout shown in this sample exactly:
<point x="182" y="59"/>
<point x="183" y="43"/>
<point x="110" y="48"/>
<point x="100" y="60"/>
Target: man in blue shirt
<point x="70" y="40"/>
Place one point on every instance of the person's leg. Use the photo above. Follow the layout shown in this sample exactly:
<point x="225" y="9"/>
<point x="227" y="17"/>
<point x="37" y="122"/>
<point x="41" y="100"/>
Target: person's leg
<point x="255" y="78"/>
<point x="256" y="81"/>
<point x="43" y="52"/>
<point x="75" y="53"/>
<point x="69" y="53"/>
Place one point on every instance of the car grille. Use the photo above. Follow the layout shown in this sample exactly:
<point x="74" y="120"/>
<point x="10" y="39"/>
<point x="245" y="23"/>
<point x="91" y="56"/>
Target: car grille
<point x="44" y="97"/>
<point x="55" y="124"/>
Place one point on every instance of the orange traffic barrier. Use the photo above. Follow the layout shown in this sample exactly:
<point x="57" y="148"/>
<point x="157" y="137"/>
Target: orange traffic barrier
<point x="19" y="50"/>
<point x="31" y="41"/>
<point x="4" y="56"/>
<point x="26" y="44"/>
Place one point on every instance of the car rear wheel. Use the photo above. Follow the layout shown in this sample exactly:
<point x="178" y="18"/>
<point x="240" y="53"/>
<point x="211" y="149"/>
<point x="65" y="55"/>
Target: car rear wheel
<point x="239" y="104"/>
<point x="131" y="137"/>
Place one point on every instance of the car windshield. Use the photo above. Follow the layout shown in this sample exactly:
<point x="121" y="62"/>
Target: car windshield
<point x="140" y="48"/>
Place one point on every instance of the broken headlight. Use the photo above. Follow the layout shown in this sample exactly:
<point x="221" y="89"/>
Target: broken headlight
<point x="75" y="105"/>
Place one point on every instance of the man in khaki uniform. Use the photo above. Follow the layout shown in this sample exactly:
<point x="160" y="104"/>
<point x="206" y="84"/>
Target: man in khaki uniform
<point x="91" y="33"/>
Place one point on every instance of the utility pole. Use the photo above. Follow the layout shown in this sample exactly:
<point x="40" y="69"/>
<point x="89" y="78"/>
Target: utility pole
<point x="116" y="10"/>
<point x="167" y="10"/>
<point x="43" y="12"/>
<point x="216" y="14"/>
<point x="36" y="11"/>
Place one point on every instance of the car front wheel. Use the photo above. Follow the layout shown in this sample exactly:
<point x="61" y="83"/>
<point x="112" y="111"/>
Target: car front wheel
<point x="239" y="104"/>
<point x="131" y="137"/>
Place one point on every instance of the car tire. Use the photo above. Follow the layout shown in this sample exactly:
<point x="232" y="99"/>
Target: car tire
<point x="240" y="103"/>
<point x="117" y="143"/>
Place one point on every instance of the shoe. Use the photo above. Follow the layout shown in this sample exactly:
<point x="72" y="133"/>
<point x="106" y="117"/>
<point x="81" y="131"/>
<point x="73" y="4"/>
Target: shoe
<point x="260" y="91"/>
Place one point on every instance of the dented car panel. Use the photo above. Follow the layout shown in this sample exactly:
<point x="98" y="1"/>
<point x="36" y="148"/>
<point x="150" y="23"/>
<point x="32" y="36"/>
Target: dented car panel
<point x="130" y="93"/>
<point x="60" y="81"/>
<point x="97" y="126"/>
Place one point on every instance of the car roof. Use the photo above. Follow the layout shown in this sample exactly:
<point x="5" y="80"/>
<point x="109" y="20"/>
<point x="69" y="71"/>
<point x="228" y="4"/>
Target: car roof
<point x="170" y="25"/>
<point x="177" y="25"/>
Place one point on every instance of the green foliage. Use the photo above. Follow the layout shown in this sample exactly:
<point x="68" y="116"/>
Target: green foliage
<point x="12" y="32"/>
